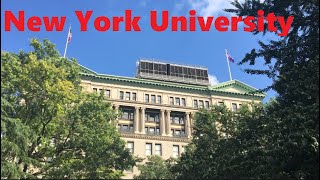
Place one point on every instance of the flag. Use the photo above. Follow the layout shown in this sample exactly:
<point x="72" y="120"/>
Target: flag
<point x="69" y="35"/>
<point x="229" y="57"/>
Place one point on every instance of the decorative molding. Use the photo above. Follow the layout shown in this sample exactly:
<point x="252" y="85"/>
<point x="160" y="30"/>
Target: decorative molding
<point x="152" y="137"/>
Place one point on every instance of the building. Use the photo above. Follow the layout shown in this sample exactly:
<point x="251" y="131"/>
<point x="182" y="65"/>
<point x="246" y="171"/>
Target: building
<point x="159" y="103"/>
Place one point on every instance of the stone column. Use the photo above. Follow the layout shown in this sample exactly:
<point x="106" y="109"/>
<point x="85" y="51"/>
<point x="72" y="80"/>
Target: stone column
<point x="136" y="120"/>
<point x="162" y="123"/>
<point x="168" y="123"/>
<point x="187" y="125"/>
<point x="142" y="120"/>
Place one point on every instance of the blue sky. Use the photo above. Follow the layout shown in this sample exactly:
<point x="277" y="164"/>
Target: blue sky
<point x="116" y="52"/>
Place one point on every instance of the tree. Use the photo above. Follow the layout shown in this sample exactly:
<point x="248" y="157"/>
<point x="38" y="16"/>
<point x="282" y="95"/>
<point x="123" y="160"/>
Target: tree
<point x="225" y="145"/>
<point x="155" y="168"/>
<point x="292" y="130"/>
<point x="51" y="128"/>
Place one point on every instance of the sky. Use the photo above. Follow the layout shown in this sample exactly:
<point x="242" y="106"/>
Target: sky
<point x="116" y="53"/>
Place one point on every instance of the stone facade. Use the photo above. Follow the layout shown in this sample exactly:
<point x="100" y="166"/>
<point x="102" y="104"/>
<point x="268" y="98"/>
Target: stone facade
<point x="157" y="116"/>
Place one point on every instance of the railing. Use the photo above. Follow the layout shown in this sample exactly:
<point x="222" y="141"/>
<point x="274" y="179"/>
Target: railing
<point x="127" y="131"/>
<point x="148" y="133"/>
<point x="153" y="133"/>
<point x="179" y="135"/>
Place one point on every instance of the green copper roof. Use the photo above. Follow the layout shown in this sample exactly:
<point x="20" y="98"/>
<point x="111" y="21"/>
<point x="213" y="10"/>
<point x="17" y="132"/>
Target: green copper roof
<point x="234" y="87"/>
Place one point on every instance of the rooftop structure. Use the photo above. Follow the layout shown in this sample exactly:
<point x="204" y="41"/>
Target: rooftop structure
<point x="150" y="69"/>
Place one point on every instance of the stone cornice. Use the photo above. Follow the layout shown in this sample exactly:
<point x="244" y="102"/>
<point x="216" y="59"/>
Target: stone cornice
<point x="152" y="137"/>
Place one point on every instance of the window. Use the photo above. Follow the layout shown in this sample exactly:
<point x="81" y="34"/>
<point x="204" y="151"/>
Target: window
<point x="158" y="150"/>
<point x="221" y="103"/>
<point x="134" y="96"/>
<point x="148" y="149"/>
<point x="95" y="90"/>
<point x="153" y="98"/>
<point x="124" y="127"/>
<point x="130" y="146"/>
<point x="157" y="130"/>
<point x="153" y="117"/>
<point x="183" y="102"/>
<point x="195" y="103"/>
<point x="151" y="130"/>
<point x="127" y="114"/>
<point x="201" y="104"/>
<point x="127" y="95"/>
<point x="108" y="93"/>
<point x="175" y="152"/>
<point x="171" y="101"/>
<point x="240" y="105"/>
<point x="172" y="131"/>
<point x="176" y="120"/>
<point x="181" y="120"/>
<point x="121" y="95"/>
<point x="183" y="132"/>
<point x="177" y="132"/>
<point x="234" y="107"/>
<point x="146" y="97"/>
<point x="101" y="91"/>
<point x="178" y="101"/>
<point x="207" y="104"/>
<point x="159" y="100"/>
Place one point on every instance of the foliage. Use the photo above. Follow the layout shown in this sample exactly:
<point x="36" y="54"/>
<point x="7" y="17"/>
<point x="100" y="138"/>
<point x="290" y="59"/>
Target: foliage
<point x="280" y="140"/>
<point x="155" y="168"/>
<point x="224" y="145"/>
<point x="49" y="127"/>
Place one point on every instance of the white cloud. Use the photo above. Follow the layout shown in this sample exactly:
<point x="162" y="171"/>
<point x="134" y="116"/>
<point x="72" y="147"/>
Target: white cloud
<point x="213" y="80"/>
<point x="210" y="7"/>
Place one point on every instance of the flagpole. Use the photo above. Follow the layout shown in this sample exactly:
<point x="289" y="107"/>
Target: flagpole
<point x="66" y="47"/>
<point x="228" y="66"/>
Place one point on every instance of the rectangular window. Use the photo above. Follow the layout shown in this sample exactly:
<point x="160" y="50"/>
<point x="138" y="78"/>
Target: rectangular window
<point x="151" y="130"/>
<point x="183" y="102"/>
<point x="124" y="127"/>
<point x="183" y="132"/>
<point x="234" y="107"/>
<point x="157" y="130"/>
<point x="177" y="132"/>
<point x="201" y="105"/>
<point x="178" y="101"/>
<point x="195" y="103"/>
<point x="95" y="90"/>
<point x="108" y="93"/>
<point x="148" y="149"/>
<point x="121" y="96"/>
<point x="207" y="104"/>
<point x="220" y="103"/>
<point x="130" y="146"/>
<point x="175" y="152"/>
<point x="159" y="99"/>
<point x="171" y="101"/>
<point x="181" y="120"/>
<point x="153" y="98"/>
<point x="134" y="96"/>
<point x="146" y="129"/>
<point x="127" y="114"/>
<point x="176" y="120"/>
<point x="172" y="131"/>
<point x="240" y="105"/>
<point x="127" y="95"/>
<point x="158" y="150"/>
<point x="146" y="97"/>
